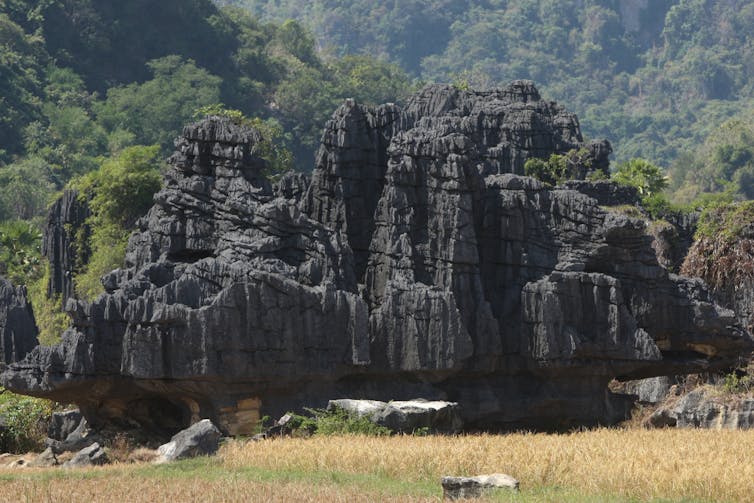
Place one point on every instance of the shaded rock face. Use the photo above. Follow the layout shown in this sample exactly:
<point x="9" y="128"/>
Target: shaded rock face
<point x="18" y="330"/>
<point x="66" y="226"/>
<point x="417" y="262"/>
<point x="673" y="238"/>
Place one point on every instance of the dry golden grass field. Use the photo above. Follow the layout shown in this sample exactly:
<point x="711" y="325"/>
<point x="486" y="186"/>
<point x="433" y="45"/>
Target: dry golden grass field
<point x="600" y="465"/>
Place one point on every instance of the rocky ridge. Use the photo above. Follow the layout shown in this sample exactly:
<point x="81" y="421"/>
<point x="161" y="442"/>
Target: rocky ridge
<point x="416" y="262"/>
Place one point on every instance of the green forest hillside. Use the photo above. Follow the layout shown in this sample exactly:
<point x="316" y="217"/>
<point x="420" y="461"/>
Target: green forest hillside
<point x="655" y="77"/>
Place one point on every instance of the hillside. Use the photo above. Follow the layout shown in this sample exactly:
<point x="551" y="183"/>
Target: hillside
<point x="654" y="77"/>
<point x="85" y="79"/>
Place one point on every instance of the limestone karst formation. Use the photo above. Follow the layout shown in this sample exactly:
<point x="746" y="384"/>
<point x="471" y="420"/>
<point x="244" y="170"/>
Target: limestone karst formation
<point x="415" y="261"/>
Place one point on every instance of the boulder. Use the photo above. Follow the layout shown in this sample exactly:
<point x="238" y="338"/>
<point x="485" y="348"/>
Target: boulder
<point x="76" y="440"/>
<point x="405" y="416"/>
<point x="94" y="455"/>
<point x="415" y="261"/>
<point x="201" y="439"/>
<point x="62" y="424"/>
<point x="44" y="460"/>
<point x="651" y="390"/>
<point x="455" y="488"/>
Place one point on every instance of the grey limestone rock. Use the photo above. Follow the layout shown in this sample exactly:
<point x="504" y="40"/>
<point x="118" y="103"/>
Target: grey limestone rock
<point x="605" y="192"/>
<point x="65" y="232"/>
<point x="94" y="455"/>
<point x="45" y="460"/>
<point x="651" y="390"/>
<point x="79" y="438"/>
<point x="18" y="330"/>
<point x="455" y="488"/>
<point x="704" y="408"/>
<point x="200" y="439"/>
<point x="62" y="424"/>
<point x="416" y="261"/>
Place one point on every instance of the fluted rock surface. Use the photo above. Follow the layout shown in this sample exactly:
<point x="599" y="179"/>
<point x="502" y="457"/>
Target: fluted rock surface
<point x="65" y="233"/>
<point x="18" y="331"/>
<point x="417" y="262"/>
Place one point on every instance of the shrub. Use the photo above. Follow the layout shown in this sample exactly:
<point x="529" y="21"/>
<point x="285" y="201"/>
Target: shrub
<point x="642" y="174"/>
<point x="335" y="421"/>
<point x="559" y="168"/>
<point x="25" y="420"/>
<point x="737" y="382"/>
<point x="550" y="171"/>
<point x="339" y="422"/>
<point x="48" y="311"/>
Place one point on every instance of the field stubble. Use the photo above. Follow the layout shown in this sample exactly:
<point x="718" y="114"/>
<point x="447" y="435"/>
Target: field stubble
<point x="597" y="465"/>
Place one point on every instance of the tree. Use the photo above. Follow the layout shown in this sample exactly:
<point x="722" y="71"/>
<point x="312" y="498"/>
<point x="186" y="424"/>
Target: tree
<point x="20" y="256"/>
<point x="156" y="110"/>
<point x="642" y="174"/>
<point x="25" y="189"/>
<point x="118" y="193"/>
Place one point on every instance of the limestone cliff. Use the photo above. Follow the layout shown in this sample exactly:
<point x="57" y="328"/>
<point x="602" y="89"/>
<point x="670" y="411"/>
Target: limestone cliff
<point x="416" y="262"/>
<point x="18" y="331"/>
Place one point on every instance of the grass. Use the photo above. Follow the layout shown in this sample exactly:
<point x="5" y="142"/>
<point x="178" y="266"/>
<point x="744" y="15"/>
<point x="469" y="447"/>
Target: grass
<point x="613" y="465"/>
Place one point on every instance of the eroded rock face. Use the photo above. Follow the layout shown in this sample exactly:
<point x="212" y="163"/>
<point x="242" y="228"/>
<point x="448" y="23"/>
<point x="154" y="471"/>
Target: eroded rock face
<point x="65" y="232"/>
<point x="417" y="262"/>
<point x="18" y="330"/>
<point x="704" y="408"/>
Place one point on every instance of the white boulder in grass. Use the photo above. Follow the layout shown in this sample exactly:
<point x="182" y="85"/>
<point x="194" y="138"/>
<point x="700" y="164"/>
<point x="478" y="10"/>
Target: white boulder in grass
<point x="455" y="488"/>
<point x="200" y="439"/>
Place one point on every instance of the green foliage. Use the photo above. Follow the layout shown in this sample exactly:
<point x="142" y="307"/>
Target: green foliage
<point x="334" y="422"/>
<point x="725" y="221"/>
<point x="48" y="311"/>
<point x="640" y="173"/>
<point x="20" y="256"/>
<point x="738" y="382"/>
<point x="723" y="163"/>
<point x="654" y="80"/>
<point x="339" y="422"/>
<point x="559" y="168"/>
<point x="21" y="63"/>
<point x="156" y="110"/>
<point x="118" y="193"/>
<point x="108" y="252"/>
<point x="551" y="171"/>
<point x="24" y="419"/>
<point x="121" y="190"/>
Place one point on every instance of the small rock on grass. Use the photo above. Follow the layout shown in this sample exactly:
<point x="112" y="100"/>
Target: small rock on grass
<point x="474" y="487"/>
<point x="89" y="456"/>
<point x="45" y="460"/>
